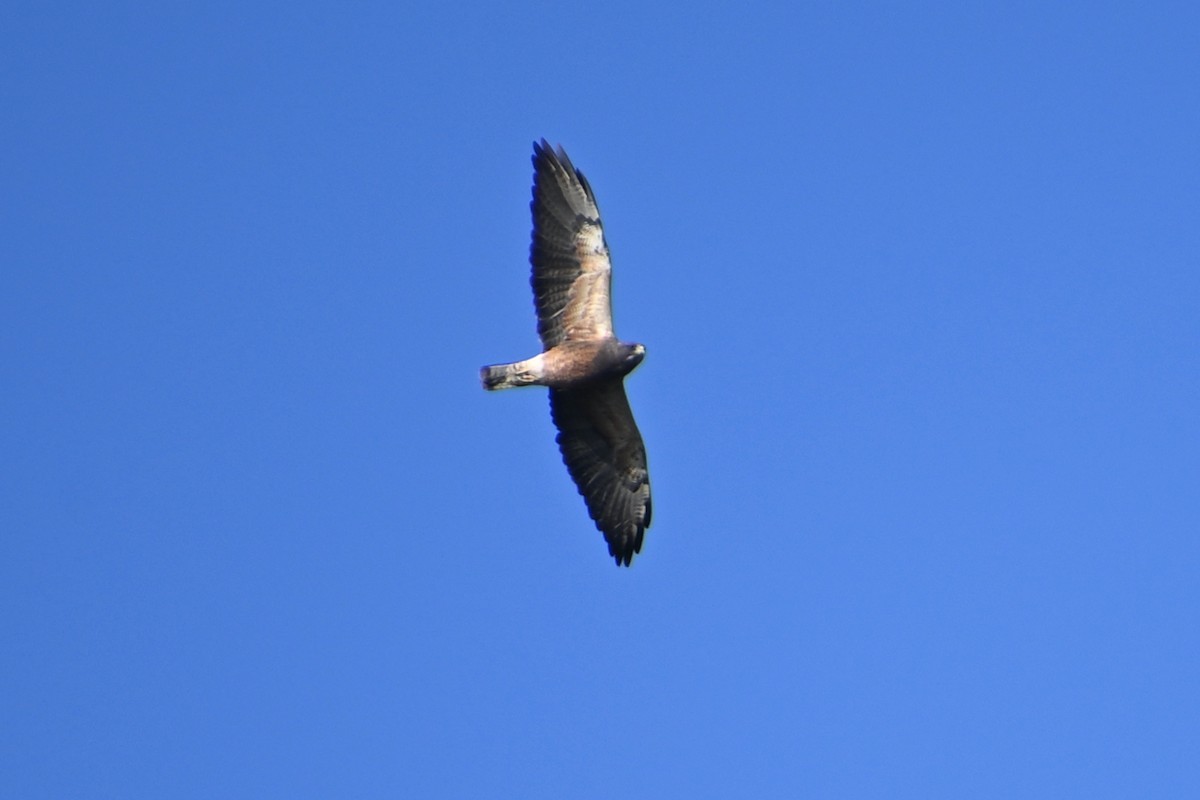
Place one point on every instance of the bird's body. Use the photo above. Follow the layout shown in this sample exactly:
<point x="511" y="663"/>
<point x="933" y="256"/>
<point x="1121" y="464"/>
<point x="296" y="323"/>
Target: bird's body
<point x="567" y="366"/>
<point x="582" y="361"/>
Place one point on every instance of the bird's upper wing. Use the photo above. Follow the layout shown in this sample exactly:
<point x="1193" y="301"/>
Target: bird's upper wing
<point x="572" y="276"/>
<point x="603" y="451"/>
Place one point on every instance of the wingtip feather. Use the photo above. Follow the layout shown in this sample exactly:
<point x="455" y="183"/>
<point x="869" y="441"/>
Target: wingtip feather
<point x="623" y="548"/>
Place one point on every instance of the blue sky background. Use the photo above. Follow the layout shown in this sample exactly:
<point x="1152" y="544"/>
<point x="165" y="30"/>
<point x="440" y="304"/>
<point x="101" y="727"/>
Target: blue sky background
<point x="920" y="286"/>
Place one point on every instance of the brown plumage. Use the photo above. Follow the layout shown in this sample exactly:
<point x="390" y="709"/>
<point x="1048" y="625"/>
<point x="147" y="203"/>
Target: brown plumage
<point x="583" y="363"/>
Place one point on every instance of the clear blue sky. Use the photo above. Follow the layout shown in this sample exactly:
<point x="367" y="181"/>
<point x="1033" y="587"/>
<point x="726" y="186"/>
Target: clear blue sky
<point x="920" y="286"/>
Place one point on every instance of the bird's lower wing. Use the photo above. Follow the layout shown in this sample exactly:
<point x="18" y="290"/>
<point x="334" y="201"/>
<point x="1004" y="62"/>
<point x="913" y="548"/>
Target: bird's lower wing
<point x="603" y="451"/>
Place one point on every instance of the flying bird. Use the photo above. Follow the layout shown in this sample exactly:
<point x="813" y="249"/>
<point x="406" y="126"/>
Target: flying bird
<point x="582" y="361"/>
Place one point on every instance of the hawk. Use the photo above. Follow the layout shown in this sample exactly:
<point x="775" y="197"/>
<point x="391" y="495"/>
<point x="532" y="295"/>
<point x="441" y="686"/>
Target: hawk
<point x="582" y="361"/>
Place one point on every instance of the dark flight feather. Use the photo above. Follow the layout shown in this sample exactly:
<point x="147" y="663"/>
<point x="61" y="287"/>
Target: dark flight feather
<point x="603" y="451"/>
<point x="572" y="274"/>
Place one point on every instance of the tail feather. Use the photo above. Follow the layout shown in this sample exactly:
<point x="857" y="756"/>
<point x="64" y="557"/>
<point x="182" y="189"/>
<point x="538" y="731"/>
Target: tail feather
<point x="495" y="377"/>
<point x="506" y="376"/>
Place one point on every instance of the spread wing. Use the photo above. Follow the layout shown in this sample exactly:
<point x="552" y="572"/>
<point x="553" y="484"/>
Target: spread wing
<point x="572" y="275"/>
<point x="604" y="453"/>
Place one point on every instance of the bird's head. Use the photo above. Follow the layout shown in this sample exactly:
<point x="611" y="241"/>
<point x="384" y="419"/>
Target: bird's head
<point x="634" y="353"/>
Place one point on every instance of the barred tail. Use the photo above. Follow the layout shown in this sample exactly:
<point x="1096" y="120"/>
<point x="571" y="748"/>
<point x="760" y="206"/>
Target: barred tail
<point x="506" y="376"/>
<point x="495" y="377"/>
